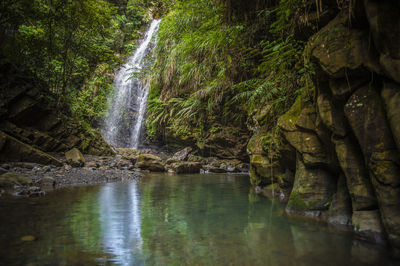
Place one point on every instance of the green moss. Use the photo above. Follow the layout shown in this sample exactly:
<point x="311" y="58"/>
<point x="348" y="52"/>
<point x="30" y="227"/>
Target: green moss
<point x="296" y="202"/>
<point x="254" y="178"/>
<point x="289" y="119"/>
<point x="84" y="144"/>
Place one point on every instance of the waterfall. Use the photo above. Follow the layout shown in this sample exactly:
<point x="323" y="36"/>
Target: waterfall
<point x="127" y="106"/>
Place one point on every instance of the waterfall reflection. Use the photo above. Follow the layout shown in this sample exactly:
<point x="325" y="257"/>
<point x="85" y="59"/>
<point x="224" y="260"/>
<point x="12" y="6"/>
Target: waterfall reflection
<point x="120" y="222"/>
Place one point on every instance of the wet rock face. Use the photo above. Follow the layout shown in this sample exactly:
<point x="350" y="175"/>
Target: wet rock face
<point x="30" y="118"/>
<point x="347" y="138"/>
<point x="383" y="18"/>
<point x="225" y="143"/>
<point x="11" y="149"/>
<point x="357" y="176"/>
<point x="391" y="98"/>
<point x="312" y="189"/>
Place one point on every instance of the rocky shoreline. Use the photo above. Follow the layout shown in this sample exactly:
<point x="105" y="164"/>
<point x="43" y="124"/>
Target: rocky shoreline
<point x="34" y="179"/>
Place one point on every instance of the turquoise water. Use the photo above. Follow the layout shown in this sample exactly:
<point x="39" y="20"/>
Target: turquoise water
<point x="170" y="220"/>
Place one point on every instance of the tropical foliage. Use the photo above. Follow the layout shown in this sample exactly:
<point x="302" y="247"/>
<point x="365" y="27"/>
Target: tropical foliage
<point x="73" y="46"/>
<point x="224" y="61"/>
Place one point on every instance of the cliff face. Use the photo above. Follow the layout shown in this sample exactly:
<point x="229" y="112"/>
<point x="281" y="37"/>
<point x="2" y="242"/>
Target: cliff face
<point x="340" y="157"/>
<point x="31" y="125"/>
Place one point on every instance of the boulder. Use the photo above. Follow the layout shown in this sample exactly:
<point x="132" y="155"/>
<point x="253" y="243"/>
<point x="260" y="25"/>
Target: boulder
<point x="390" y="66"/>
<point x="340" y="210"/>
<point x="13" y="150"/>
<point x="384" y="21"/>
<point x="182" y="155"/>
<point x="357" y="176"/>
<point x="9" y="180"/>
<point x="214" y="168"/>
<point x="75" y="158"/>
<point x="92" y="164"/>
<point x="391" y="97"/>
<point x="195" y="158"/>
<point x="46" y="181"/>
<point x="312" y="190"/>
<point x="256" y="142"/>
<point x="341" y="50"/>
<point x="299" y="130"/>
<point x="368" y="226"/>
<point x="184" y="167"/>
<point x="342" y="88"/>
<point x="129" y="154"/>
<point x="262" y="171"/>
<point x="366" y="116"/>
<point x="331" y="115"/>
<point x="147" y="161"/>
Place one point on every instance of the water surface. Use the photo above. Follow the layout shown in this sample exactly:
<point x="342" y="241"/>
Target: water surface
<point x="170" y="220"/>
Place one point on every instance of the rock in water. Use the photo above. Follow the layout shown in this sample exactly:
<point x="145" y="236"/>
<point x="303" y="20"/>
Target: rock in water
<point x="11" y="179"/>
<point x="75" y="158"/>
<point x="46" y="181"/>
<point x="184" y="167"/>
<point x="150" y="162"/>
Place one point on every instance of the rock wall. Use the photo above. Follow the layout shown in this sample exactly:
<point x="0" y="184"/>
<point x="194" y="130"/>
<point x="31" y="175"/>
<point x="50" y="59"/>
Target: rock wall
<point x="346" y="141"/>
<point x="32" y="126"/>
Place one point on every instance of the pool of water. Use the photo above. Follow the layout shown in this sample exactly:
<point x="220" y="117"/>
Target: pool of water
<point x="170" y="220"/>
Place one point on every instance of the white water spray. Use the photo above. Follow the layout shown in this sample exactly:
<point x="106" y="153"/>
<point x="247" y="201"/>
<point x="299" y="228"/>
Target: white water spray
<point x="124" y="120"/>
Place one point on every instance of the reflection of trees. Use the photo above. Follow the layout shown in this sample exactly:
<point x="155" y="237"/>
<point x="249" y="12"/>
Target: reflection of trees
<point x="197" y="219"/>
<point x="65" y="223"/>
<point x="184" y="218"/>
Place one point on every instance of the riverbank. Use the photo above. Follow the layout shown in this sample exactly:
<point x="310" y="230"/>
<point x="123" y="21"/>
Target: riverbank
<point x="32" y="179"/>
<point x="74" y="169"/>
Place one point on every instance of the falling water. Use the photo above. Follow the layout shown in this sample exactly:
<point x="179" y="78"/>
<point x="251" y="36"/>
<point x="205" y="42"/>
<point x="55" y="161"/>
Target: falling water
<point x="123" y="122"/>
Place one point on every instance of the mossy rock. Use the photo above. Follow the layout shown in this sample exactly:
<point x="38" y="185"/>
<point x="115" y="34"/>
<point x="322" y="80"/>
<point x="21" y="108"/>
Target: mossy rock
<point x="13" y="150"/>
<point x="151" y="162"/>
<point x="74" y="157"/>
<point x="312" y="189"/>
<point x="391" y="97"/>
<point x="357" y="176"/>
<point x="9" y="180"/>
<point x="340" y="49"/>
<point x="288" y="120"/>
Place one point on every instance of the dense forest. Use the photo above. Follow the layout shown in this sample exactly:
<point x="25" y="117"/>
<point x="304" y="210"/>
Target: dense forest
<point x="302" y="95"/>
<point x="72" y="47"/>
